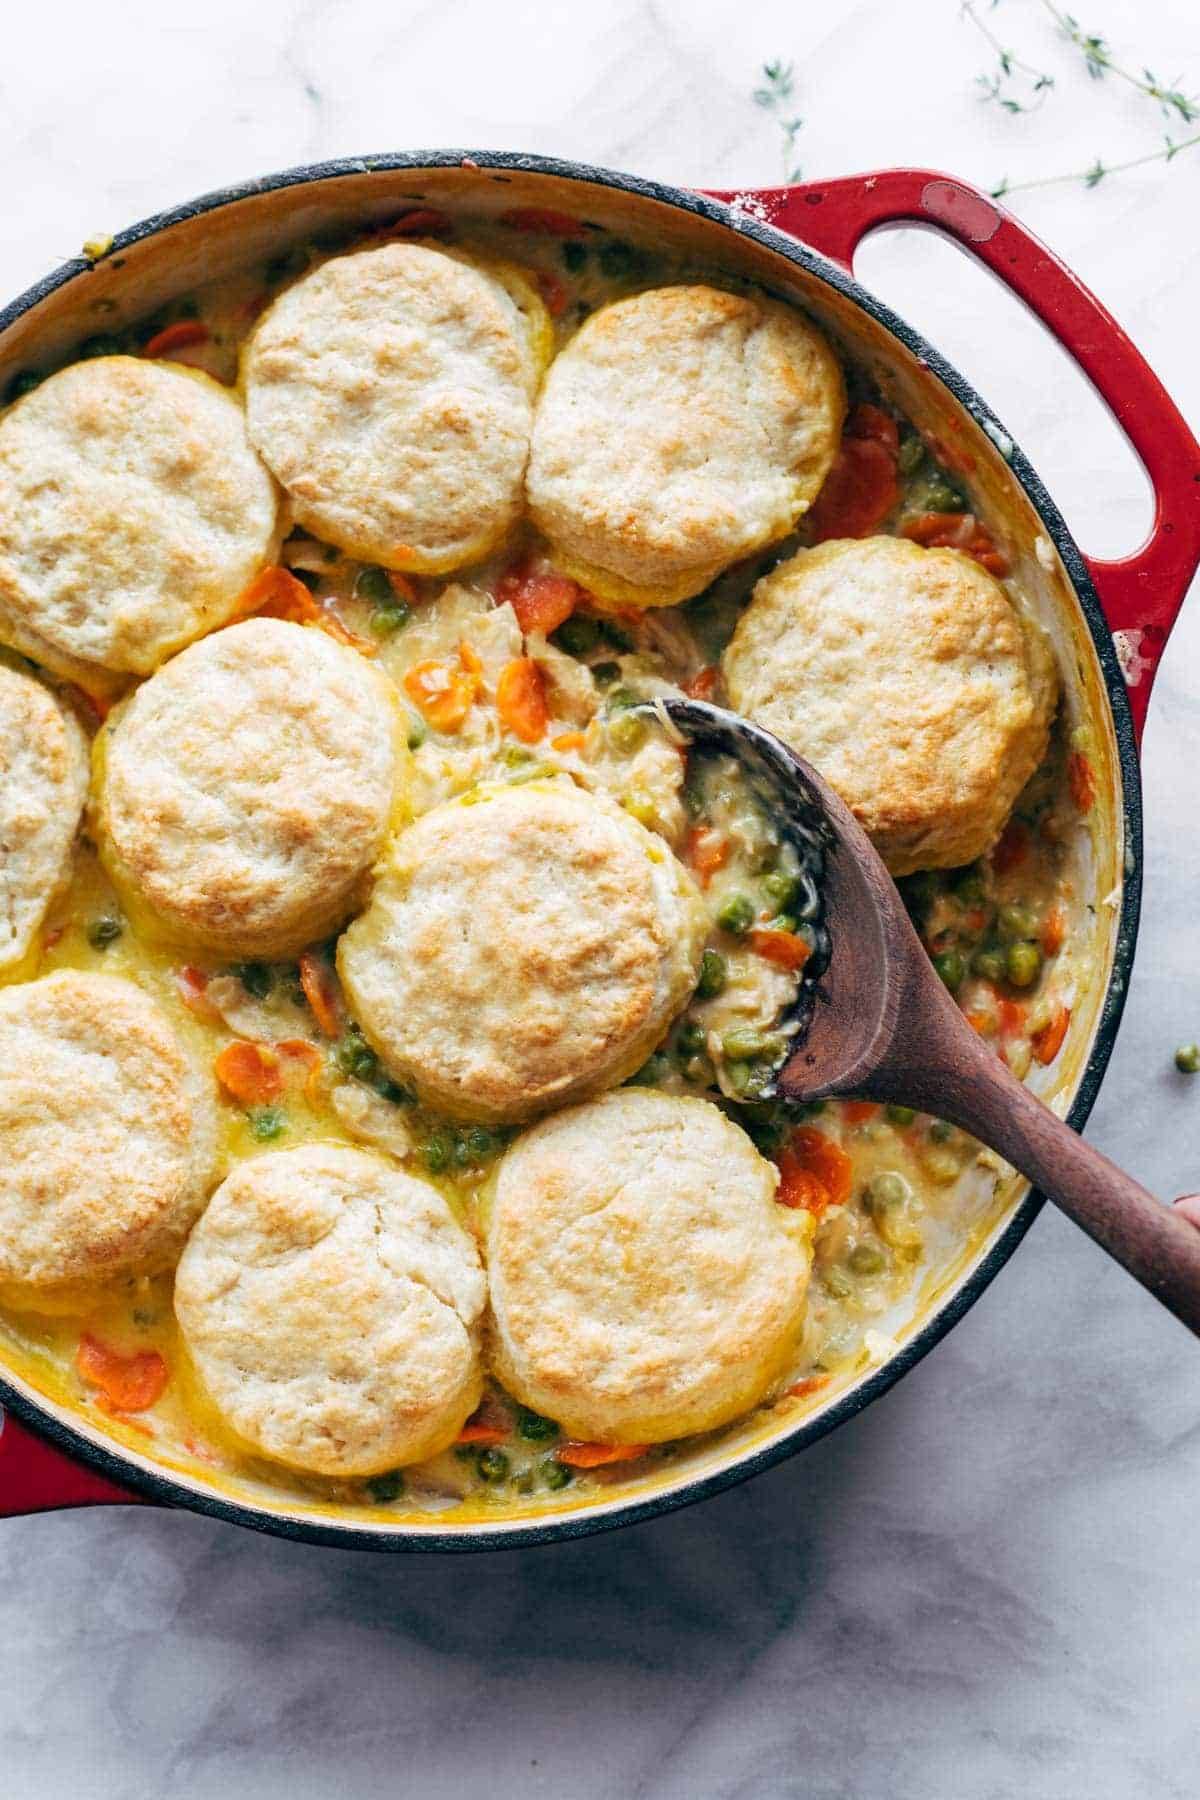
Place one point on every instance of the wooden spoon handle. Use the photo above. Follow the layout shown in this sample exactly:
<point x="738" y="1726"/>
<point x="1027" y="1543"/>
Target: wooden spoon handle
<point x="1154" y="1242"/>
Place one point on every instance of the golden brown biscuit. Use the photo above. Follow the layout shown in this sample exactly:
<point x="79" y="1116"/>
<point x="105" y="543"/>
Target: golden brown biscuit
<point x="644" y="1282"/>
<point x="678" y="431"/>
<point x="524" y="945"/>
<point x="330" y="1304"/>
<point x="133" y="515"/>
<point x="245" y="791"/>
<point x="106" y="1132"/>
<point x="43" y="785"/>
<point x="908" y="679"/>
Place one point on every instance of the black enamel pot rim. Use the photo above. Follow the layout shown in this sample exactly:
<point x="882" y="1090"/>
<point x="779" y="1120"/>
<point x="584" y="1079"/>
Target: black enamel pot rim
<point x="166" y="1491"/>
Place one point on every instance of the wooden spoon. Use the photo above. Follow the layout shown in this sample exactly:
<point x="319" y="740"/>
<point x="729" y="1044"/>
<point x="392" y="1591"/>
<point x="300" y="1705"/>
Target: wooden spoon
<point x="883" y="1027"/>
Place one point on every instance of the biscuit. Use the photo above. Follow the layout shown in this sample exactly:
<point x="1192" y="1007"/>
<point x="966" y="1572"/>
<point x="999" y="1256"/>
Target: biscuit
<point x="907" y="678"/>
<point x="133" y="514"/>
<point x="107" y="1132"/>
<point x="524" y="945"/>
<point x="246" y="789"/>
<point x="391" y="391"/>
<point x="678" y="431"/>
<point x="644" y="1282"/>
<point x="330" y="1306"/>
<point x="43" y="785"/>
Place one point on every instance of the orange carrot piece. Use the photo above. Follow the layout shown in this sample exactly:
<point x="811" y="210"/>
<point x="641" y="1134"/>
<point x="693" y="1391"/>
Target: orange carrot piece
<point x="443" y="692"/>
<point x="818" y="1155"/>
<point x="867" y="421"/>
<point x="543" y="221"/>
<point x="1081" y="779"/>
<point x="703" y="684"/>
<point x="857" y="1112"/>
<point x="957" y="531"/>
<point x="982" y="1022"/>
<point x="799" y="1188"/>
<point x="568" y="740"/>
<point x="276" y="594"/>
<point x="521" y="699"/>
<point x="478" y="1431"/>
<point x="542" y="601"/>
<point x="328" y="621"/>
<point x="468" y="656"/>
<point x="596" y="1456"/>
<point x="1049" y="1040"/>
<point x="707" y="851"/>
<point x="554" y="293"/>
<point x="250" y="1073"/>
<point x="859" y="492"/>
<point x="421" y="221"/>
<point x="808" y="1385"/>
<point x="300" y="1050"/>
<point x="1012" y="847"/>
<point x="1054" y="931"/>
<point x="402" y="586"/>
<point x="180" y="336"/>
<point x="193" y="985"/>
<point x="786" y="949"/>
<point x="126" y="1383"/>
<point x="320" y="990"/>
<point x="1012" y="1016"/>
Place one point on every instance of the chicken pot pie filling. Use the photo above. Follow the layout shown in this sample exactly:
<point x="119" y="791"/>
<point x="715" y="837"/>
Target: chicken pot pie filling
<point x="510" y="673"/>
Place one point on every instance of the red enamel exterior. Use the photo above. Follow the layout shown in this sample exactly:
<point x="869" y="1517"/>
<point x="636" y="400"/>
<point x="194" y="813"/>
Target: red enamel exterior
<point x="1141" y="594"/>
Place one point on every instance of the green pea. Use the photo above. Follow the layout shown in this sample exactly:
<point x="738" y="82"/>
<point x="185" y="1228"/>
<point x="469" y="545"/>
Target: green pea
<point x="267" y="1123"/>
<point x="533" y="1427"/>
<point x="990" y="964"/>
<point x="655" y="1069"/>
<point x="574" y="257"/>
<point x="969" y="886"/>
<point x="835" y="1283"/>
<point x="103" y="931"/>
<point x="911" y="453"/>
<point x="355" y="1057"/>
<point x="104" y="344"/>
<point x="622" y="698"/>
<point x="714" y="972"/>
<point x="867" y="1259"/>
<point x="1187" y="1059"/>
<point x="627" y="732"/>
<point x="255" y="977"/>
<point x="481" y="1144"/>
<point x="901" y="1115"/>
<point x="941" y="1131"/>
<point x="437" y="1151"/>
<point x="692" y="1038"/>
<point x="387" y="1487"/>
<point x="371" y="583"/>
<point x="390" y="1090"/>
<point x="556" y="1475"/>
<point x="22" y="384"/>
<point x="736" y="914"/>
<point x="743" y="1042"/>
<point x="887" y="1189"/>
<point x="417" y="732"/>
<point x="952" y="969"/>
<point x="578" y="635"/>
<point x="1014" y="921"/>
<point x="780" y="888"/>
<point x="1023" y="964"/>
<point x="492" y="1464"/>
<point x="385" y="621"/>
<point x="942" y="496"/>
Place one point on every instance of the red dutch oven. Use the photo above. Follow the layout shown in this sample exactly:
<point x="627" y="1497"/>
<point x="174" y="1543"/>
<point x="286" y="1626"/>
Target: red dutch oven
<point x="1110" y="622"/>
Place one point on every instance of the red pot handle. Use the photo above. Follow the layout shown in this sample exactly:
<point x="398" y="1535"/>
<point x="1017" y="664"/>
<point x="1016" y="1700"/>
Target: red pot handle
<point x="1142" y="593"/>
<point x="35" y="1477"/>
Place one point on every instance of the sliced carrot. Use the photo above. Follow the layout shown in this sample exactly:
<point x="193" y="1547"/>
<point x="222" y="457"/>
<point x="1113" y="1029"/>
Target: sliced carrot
<point x="328" y="621"/>
<point x="301" y="1051"/>
<point x="554" y="293"/>
<point x="982" y="1022"/>
<point x="956" y="531"/>
<point x="857" y="1112"/>
<point x="521" y="699"/>
<point x="402" y="586"/>
<point x="1081" y="779"/>
<point x="1012" y="1015"/>
<point x="250" y="1073"/>
<point x="808" y="1385"/>
<point x="422" y="221"/>
<point x="276" y="594"/>
<point x="1054" y="931"/>
<point x="543" y="221"/>
<point x="860" y="491"/>
<point x="468" y="656"/>
<point x="321" y="992"/>
<point x="1049" y="1040"/>
<point x="867" y="421"/>
<point x="1012" y="847"/>
<point x="703" y="684"/>
<point x="786" y="949"/>
<point x="193" y="991"/>
<point x="812" y="1153"/>
<point x="126" y="1383"/>
<point x="542" y="601"/>
<point x="596" y="1456"/>
<point x="707" y="851"/>
<point x="798" y="1187"/>
<point x="478" y="1431"/>
<point x="568" y="740"/>
<point x="179" y="336"/>
<point x="443" y="690"/>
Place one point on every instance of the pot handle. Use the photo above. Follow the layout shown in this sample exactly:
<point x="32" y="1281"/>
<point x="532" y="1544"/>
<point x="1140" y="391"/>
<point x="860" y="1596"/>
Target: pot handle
<point x="35" y="1477"/>
<point x="1141" y="594"/>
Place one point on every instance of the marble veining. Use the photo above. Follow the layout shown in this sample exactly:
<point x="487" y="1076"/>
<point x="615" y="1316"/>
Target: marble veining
<point x="986" y="1587"/>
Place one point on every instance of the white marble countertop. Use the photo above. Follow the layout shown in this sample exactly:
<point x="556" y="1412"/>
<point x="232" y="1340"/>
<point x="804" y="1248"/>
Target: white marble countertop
<point x="986" y="1586"/>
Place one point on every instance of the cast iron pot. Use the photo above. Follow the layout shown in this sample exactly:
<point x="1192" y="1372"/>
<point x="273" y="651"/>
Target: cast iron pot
<point x="1110" y="621"/>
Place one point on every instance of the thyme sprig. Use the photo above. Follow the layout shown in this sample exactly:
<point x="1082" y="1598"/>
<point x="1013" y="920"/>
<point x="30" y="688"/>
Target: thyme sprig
<point x="999" y="85"/>
<point x="777" y="96"/>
